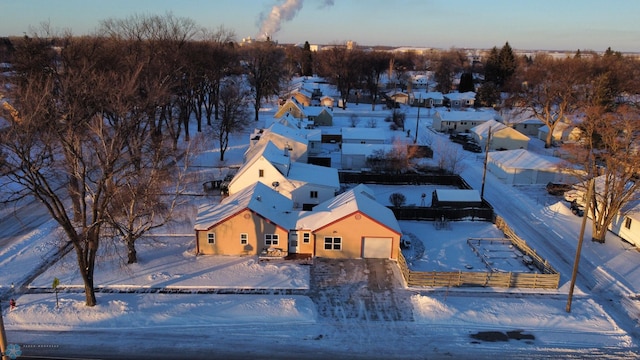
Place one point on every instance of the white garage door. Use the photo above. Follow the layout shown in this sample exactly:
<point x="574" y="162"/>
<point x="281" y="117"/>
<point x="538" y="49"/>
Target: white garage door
<point x="377" y="248"/>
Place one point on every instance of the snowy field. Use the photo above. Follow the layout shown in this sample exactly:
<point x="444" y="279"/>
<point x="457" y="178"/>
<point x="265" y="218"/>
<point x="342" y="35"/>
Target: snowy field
<point x="469" y="323"/>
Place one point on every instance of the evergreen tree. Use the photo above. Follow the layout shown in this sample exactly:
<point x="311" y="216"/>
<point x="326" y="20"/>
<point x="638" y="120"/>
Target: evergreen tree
<point x="506" y="64"/>
<point x="466" y="83"/>
<point x="491" y="67"/>
<point x="307" y="60"/>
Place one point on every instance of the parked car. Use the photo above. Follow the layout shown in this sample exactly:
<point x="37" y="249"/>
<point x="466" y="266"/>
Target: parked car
<point x="471" y="146"/>
<point x="558" y="189"/>
<point x="577" y="209"/>
<point x="460" y="138"/>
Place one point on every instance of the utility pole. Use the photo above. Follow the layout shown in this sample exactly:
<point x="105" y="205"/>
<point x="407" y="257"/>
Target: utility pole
<point x="574" y="274"/>
<point x="486" y="159"/>
<point x="415" y="140"/>
<point x="3" y="338"/>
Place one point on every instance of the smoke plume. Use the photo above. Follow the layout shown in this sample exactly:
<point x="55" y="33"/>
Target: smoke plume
<point x="286" y="11"/>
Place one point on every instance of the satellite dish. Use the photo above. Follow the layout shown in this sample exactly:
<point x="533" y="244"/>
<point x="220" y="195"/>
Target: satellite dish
<point x="275" y="184"/>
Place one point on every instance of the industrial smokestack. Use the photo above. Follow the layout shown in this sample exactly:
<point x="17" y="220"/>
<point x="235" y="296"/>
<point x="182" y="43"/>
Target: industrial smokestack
<point x="286" y="11"/>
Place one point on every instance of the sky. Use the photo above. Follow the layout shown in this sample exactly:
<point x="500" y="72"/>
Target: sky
<point x="527" y="24"/>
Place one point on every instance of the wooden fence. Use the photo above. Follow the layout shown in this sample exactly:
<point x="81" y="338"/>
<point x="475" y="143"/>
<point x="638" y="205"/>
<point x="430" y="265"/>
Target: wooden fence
<point x="547" y="279"/>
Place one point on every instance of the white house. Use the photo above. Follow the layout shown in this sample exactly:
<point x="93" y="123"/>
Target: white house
<point x="284" y="137"/>
<point x="305" y="184"/>
<point x="523" y="167"/>
<point x="502" y="136"/>
<point x="626" y="224"/>
<point x="426" y="99"/>
<point x="562" y="132"/>
<point x="460" y="121"/>
<point x="460" y="100"/>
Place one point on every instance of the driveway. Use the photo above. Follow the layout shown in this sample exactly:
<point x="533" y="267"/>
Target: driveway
<point x="359" y="289"/>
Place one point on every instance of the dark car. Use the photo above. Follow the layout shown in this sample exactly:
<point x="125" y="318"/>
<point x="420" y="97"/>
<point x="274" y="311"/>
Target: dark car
<point x="460" y="138"/>
<point x="473" y="147"/>
<point x="558" y="189"/>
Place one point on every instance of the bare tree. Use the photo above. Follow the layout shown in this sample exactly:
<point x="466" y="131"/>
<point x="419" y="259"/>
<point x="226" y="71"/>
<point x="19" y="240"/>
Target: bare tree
<point x="76" y="132"/>
<point x="233" y="112"/>
<point x="449" y="156"/>
<point x="608" y="151"/>
<point x="263" y="63"/>
<point x="549" y="89"/>
<point x="375" y="64"/>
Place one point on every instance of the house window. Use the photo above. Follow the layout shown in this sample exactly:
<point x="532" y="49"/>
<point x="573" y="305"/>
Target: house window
<point x="333" y="243"/>
<point x="313" y="194"/>
<point x="211" y="238"/>
<point x="244" y="239"/>
<point x="306" y="238"/>
<point x="260" y="173"/>
<point x="271" y="239"/>
<point x="627" y="223"/>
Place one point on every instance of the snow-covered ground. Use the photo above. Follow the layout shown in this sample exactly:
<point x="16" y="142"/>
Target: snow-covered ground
<point x="238" y="307"/>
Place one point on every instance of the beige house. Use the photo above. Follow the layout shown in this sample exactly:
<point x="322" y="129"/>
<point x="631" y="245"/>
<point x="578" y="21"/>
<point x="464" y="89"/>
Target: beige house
<point x="351" y="225"/>
<point x="244" y="223"/>
<point x="316" y="115"/>
<point x="502" y="136"/>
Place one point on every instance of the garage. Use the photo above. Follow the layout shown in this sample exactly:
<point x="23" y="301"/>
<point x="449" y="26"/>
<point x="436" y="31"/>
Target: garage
<point x="377" y="248"/>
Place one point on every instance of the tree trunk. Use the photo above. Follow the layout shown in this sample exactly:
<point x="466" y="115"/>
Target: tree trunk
<point x="132" y="254"/>
<point x="549" y="139"/>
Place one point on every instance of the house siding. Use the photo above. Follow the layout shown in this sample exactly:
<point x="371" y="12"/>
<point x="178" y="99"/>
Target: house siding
<point x="353" y="229"/>
<point x="227" y="235"/>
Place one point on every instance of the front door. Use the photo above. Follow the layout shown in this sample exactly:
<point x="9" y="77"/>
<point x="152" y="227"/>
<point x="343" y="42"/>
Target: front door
<point x="293" y="242"/>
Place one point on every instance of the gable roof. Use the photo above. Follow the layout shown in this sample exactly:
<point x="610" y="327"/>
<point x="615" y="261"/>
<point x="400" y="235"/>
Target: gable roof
<point x="270" y="152"/>
<point x="314" y="174"/>
<point x="357" y="133"/>
<point x="359" y="199"/>
<point x="259" y="198"/>
<point x="466" y="115"/>
<point x="458" y="195"/>
<point x="482" y="130"/>
<point x="524" y="159"/>
<point x="316" y="110"/>
<point x="469" y="95"/>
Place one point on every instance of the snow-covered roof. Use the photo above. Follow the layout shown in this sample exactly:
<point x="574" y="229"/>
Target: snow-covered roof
<point x="436" y="95"/>
<point x="358" y="133"/>
<point x="271" y="153"/>
<point x="364" y="149"/>
<point x="258" y="198"/>
<point x="496" y="127"/>
<point x="483" y="129"/>
<point x="316" y="110"/>
<point x="467" y="115"/>
<point x="524" y="159"/>
<point x="469" y="95"/>
<point x="358" y="199"/>
<point x="295" y="134"/>
<point x="458" y="195"/>
<point x="314" y="174"/>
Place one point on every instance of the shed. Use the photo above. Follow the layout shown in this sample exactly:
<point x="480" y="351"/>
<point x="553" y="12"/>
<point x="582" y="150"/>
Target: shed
<point x="458" y="198"/>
